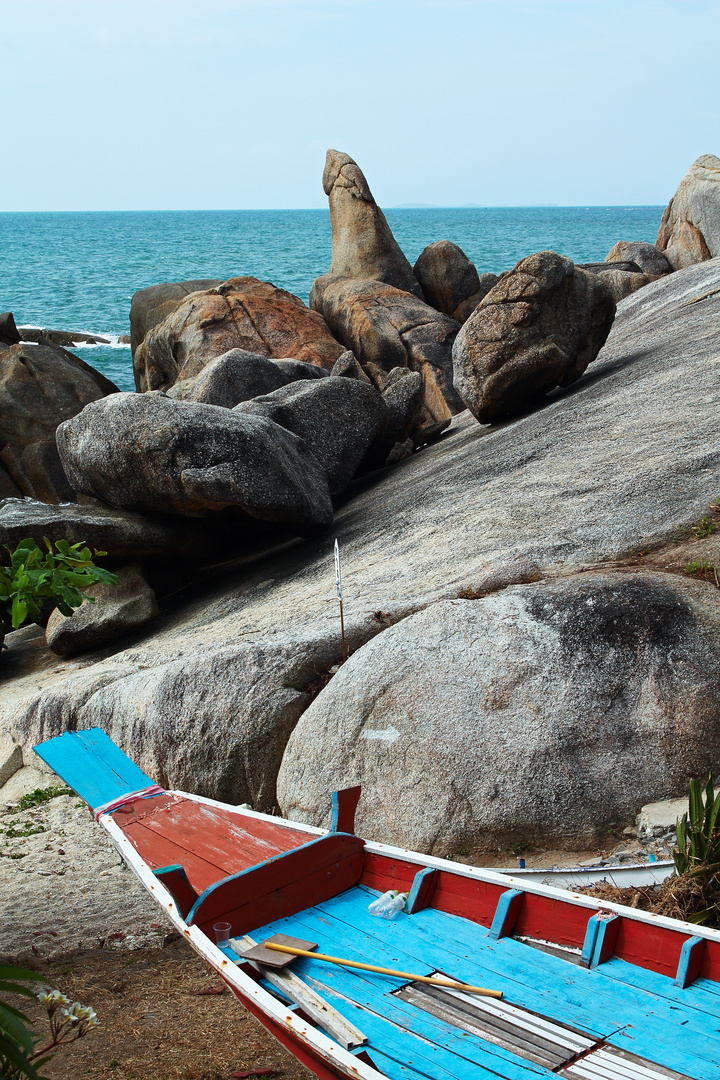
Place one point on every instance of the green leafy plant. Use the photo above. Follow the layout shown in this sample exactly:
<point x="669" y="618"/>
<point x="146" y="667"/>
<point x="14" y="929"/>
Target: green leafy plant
<point x="698" y="831"/>
<point x="40" y="796"/>
<point x="17" y="1041"/>
<point x="699" y="566"/>
<point x="33" y="577"/>
<point x="697" y="854"/>
<point x="68" y="1022"/>
<point x="705" y="527"/>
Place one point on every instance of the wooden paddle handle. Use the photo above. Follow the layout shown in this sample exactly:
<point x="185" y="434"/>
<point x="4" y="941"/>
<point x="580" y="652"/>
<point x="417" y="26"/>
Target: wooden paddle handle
<point x="385" y="971"/>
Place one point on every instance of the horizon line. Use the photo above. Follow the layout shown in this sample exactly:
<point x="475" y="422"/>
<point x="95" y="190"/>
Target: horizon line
<point x="321" y="209"/>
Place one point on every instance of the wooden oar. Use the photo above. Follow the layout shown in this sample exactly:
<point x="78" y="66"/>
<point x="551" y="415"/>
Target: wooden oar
<point x="384" y="971"/>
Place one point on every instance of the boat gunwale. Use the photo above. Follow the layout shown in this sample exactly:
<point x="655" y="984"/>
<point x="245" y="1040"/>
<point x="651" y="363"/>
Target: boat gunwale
<point x="314" y="1040"/>
<point x="492" y="877"/>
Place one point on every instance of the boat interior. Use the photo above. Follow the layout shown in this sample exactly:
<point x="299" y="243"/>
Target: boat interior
<point x="587" y="992"/>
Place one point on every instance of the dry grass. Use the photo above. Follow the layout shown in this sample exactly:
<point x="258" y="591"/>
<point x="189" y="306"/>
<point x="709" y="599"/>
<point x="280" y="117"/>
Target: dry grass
<point x="679" y="897"/>
<point x="153" y="1023"/>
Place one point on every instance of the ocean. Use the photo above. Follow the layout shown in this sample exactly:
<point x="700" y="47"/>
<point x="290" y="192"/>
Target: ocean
<point x="78" y="271"/>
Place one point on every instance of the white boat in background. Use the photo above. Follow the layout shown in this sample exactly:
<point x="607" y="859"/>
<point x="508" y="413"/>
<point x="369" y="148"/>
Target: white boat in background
<point x="622" y="876"/>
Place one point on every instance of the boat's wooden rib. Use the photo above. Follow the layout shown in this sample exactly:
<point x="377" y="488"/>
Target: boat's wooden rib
<point x="644" y="1005"/>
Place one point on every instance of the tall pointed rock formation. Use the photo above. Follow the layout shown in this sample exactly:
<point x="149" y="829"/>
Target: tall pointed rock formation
<point x="363" y="246"/>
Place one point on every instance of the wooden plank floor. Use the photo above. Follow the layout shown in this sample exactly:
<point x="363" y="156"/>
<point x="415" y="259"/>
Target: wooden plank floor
<point x="630" y="1008"/>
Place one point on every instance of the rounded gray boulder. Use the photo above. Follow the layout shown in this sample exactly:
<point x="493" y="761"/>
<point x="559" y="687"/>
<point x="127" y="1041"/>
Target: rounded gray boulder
<point x="542" y="714"/>
<point x="337" y="419"/>
<point x="147" y="452"/>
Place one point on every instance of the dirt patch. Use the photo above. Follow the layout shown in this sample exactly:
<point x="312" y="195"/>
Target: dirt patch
<point x="155" y="1022"/>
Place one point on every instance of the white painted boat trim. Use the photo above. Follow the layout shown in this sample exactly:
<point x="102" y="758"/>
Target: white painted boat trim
<point x="331" y="1052"/>
<point x="494" y="877"/>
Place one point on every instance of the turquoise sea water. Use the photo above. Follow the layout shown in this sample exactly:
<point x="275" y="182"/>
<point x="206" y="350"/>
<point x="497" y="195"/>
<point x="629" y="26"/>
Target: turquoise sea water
<point x="78" y="271"/>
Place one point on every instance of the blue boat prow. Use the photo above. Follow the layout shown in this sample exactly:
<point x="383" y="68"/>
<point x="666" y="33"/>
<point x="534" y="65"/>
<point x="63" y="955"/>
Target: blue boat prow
<point x="90" y="763"/>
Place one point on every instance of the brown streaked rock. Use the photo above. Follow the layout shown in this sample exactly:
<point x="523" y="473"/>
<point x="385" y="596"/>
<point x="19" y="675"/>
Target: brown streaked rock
<point x="242" y="313"/>
<point x="539" y="328"/>
<point x="363" y="246"/>
<point x="387" y="327"/>
<point x="690" y="228"/>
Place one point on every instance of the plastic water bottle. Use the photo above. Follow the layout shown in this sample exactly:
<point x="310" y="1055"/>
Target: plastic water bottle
<point x="388" y="905"/>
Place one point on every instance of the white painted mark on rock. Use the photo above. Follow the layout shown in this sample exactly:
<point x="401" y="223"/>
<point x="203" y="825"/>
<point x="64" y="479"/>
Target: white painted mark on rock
<point x="389" y="735"/>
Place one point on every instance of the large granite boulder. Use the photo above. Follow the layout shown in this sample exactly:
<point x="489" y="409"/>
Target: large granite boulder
<point x="121" y="533"/>
<point x="622" y="278"/>
<point x="151" y="306"/>
<point x="385" y="326"/>
<point x="646" y="257"/>
<point x="233" y="377"/>
<point x="149" y="453"/>
<point x="616" y="464"/>
<point x="363" y="246"/>
<point x="446" y="275"/>
<point x="117" y="610"/>
<point x="690" y="228"/>
<point x="464" y="310"/>
<point x="238" y="375"/>
<point x="40" y="386"/>
<point x="543" y="714"/>
<point x="242" y="313"/>
<point x="539" y="328"/>
<point x="337" y="419"/>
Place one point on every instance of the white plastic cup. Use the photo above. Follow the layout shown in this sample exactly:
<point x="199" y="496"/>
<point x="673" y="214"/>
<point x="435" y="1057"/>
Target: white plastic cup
<point x="222" y="934"/>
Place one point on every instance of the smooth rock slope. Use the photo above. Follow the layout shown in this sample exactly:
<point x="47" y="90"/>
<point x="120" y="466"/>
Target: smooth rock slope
<point x="616" y="463"/>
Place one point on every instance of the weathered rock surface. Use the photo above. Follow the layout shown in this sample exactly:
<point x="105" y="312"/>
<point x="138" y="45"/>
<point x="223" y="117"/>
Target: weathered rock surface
<point x="151" y="306"/>
<point x="403" y="396"/>
<point x="239" y="375"/>
<point x="621" y="282"/>
<point x="363" y="246"/>
<point x="121" y="533"/>
<point x="294" y="370"/>
<point x="539" y="328"/>
<point x="149" y="453"/>
<point x="233" y="377"/>
<point x="9" y="334"/>
<point x="242" y="313"/>
<point x="463" y="311"/>
<point x="8" y="489"/>
<point x="383" y="325"/>
<point x="348" y="367"/>
<point x="40" y="386"/>
<point x="11" y="758"/>
<point x="64" y="338"/>
<point x="617" y="463"/>
<point x="645" y="256"/>
<point x="118" y="609"/>
<point x="690" y="228"/>
<point x="546" y="711"/>
<point x="337" y="419"/>
<point x="446" y="276"/>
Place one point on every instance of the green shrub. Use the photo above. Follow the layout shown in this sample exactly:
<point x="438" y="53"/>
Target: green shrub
<point x="698" y="831"/>
<point x="59" y="575"/>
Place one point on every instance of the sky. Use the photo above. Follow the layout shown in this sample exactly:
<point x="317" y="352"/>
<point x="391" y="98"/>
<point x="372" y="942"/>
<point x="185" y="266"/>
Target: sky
<point x="231" y="104"/>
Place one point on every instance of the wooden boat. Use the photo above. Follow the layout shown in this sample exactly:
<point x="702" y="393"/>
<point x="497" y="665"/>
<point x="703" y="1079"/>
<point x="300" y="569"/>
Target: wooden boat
<point x="590" y="990"/>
